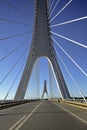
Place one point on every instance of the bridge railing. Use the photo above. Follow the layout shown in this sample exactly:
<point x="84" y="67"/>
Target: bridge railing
<point x="75" y="103"/>
<point x="78" y="103"/>
<point x="7" y="104"/>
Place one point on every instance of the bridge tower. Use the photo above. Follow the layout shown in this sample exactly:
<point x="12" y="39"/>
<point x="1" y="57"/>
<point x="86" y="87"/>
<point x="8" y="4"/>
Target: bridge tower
<point x="45" y="90"/>
<point x="42" y="45"/>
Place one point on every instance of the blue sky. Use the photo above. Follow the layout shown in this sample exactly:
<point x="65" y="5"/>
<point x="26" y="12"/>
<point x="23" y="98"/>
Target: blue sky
<point x="23" y="12"/>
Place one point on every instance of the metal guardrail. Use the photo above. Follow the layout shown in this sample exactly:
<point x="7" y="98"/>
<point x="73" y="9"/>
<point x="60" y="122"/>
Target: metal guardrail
<point x="4" y="105"/>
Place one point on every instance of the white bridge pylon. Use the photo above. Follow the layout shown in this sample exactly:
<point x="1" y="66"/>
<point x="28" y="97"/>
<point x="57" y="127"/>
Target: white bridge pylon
<point x="42" y="45"/>
<point x="45" y="90"/>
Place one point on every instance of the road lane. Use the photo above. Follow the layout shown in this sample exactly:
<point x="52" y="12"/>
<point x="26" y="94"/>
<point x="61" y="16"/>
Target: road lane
<point x="82" y="113"/>
<point x="45" y="115"/>
<point x="10" y="116"/>
<point x="72" y="113"/>
<point x="51" y="117"/>
<point x="20" y="123"/>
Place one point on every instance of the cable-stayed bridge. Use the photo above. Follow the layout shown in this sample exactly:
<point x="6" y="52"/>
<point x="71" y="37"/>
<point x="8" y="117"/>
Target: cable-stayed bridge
<point x="43" y="40"/>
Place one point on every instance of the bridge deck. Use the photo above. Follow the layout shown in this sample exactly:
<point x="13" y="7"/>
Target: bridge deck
<point x="43" y="115"/>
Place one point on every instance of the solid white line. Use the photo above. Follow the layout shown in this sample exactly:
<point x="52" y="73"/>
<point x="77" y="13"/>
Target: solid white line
<point x="17" y="123"/>
<point x="20" y="123"/>
<point x="71" y="113"/>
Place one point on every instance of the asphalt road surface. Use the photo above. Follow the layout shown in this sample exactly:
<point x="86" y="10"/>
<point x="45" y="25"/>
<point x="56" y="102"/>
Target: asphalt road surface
<point x="43" y="115"/>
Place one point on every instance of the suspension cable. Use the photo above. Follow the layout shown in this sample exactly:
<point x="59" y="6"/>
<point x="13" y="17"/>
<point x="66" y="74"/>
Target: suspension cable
<point x="49" y="3"/>
<point x="51" y="6"/>
<point x="70" y="75"/>
<point x="54" y="7"/>
<point x="70" y="21"/>
<point x="13" y="83"/>
<point x="60" y="11"/>
<point x="12" y="67"/>
<point x="16" y="35"/>
<point x="56" y="79"/>
<point x="51" y="82"/>
<point x="38" y="78"/>
<point x="61" y="79"/>
<point x="68" y="39"/>
<point x="13" y="21"/>
<point x="12" y="6"/>
<point x="70" y="57"/>
<point x="15" y="49"/>
<point x="50" y="79"/>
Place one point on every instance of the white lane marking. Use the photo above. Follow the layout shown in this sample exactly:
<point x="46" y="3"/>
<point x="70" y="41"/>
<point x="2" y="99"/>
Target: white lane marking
<point x="17" y="123"/>
<point x="20" y="123"/>
<point x="71" y="113"/>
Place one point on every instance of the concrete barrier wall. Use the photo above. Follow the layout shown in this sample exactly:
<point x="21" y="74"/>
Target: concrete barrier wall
<point x="84" y="105"/>
<point x="4" y="105"/>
